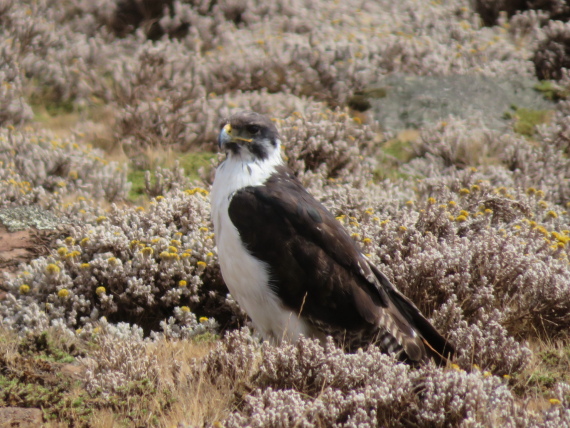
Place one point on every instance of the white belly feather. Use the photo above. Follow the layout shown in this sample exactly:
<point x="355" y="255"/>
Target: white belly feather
<point x="247" y="277"/>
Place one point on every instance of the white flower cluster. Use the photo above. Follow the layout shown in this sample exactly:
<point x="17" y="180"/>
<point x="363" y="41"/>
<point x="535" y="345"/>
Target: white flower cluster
<point x="41" y="168"/>
<point x="307" y="384"/>
<point x="145" y="267"/>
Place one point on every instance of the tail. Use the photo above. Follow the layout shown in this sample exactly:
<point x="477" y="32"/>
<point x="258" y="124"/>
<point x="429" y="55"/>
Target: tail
<point x="436" y="346"/>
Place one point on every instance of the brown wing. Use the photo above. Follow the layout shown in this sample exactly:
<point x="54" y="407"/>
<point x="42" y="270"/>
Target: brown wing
<point x="316" y="267"/>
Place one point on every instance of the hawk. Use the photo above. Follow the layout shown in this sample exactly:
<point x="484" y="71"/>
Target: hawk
<point x="292" y="266"/>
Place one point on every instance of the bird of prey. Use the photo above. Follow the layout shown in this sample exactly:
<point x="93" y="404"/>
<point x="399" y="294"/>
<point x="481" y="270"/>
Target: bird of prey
<point x="291" y="265"/>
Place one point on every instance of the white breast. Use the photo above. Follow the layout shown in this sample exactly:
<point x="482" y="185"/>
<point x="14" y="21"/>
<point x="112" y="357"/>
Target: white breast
<point x="247" y="277"/>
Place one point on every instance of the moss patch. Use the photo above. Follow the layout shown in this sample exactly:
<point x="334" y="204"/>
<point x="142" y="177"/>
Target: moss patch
<point x="191" y="163"/>
<point x="552" y="91"/>
<point x="526" y="120"/>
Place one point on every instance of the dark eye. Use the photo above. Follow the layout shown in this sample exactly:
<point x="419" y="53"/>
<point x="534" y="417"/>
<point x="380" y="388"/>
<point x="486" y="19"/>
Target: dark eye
<point x="253" y="129"/>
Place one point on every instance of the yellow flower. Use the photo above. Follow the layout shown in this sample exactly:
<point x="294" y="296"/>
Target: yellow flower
<point x="113" y="261"/>
<point x="172" y="249"/>
<point x="175" y="243"/>
<point x="409" y="203"/>
<point x="62" y="251"/>
<point x="69" y="240"/>
<point x="185" y="309"/>
<point x="182" y="283"/>
<point x="530" y="191"/>
<point x="464" y="213"/>
<point x="552" y="214"/>
<point x="403" y="228"/>
<point x="464" y="191"/>
<point x="555" y="401"/>
<point x="203" y="229"/>
<point x="24" y="289"/>
<point x="486" y="374"/>
<point x="100" y="290"/>
<point x="507" y="376"/>
<point x="72" y="254"/>
<point x="543" y="204"/>
<point x="431" y="201"/>
<point x="452" y="203"/>
<point x="165" y="255"/>
<point x="73" y="175"/>
<point x="63" y="293"/>
<point x="147" y="251"/>
<point x="355" y="236"/>
<point x="85" y="265"/>
<point x="101" y="219"/>
<point x="488" y="211"/>
<point x="202" y="264"/>
<point x="475" y="188"/>
<point x="210" y="254"/>
<point x="186" y="254"/>
<point x="196" y="190"/>
<point x="203" y="319"/>
<point x="460" y="218"/>
<point x="367" y="241"/>
<point x="52" y="269"/>
<point x="159" y="198"/>
<point x="84" y="242"/>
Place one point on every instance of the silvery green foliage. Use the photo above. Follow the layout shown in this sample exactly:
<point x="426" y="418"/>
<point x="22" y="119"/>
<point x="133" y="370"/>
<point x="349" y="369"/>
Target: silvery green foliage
<point x="172" y="90"/>
<point x="111" y="368"/>
<point x="310" y="385"/>
<point x="129" y="265"/>
<point x="331" y="146"/>
<point x="42" y="168"/>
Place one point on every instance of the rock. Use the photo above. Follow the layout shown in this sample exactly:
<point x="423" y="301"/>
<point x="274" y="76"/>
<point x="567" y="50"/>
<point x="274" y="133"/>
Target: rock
<point x="415" y="101"/>
<point x="20" y="417"/>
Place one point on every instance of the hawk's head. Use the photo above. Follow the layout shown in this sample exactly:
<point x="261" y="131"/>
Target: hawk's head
<point x="251" y="133"/>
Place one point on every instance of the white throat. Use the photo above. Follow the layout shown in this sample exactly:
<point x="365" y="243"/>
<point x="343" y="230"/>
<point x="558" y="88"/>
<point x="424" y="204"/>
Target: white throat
<point x="239" y="171"/>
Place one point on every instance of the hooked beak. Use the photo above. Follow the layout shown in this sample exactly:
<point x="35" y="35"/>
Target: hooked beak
<point x="227" y="136"/>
